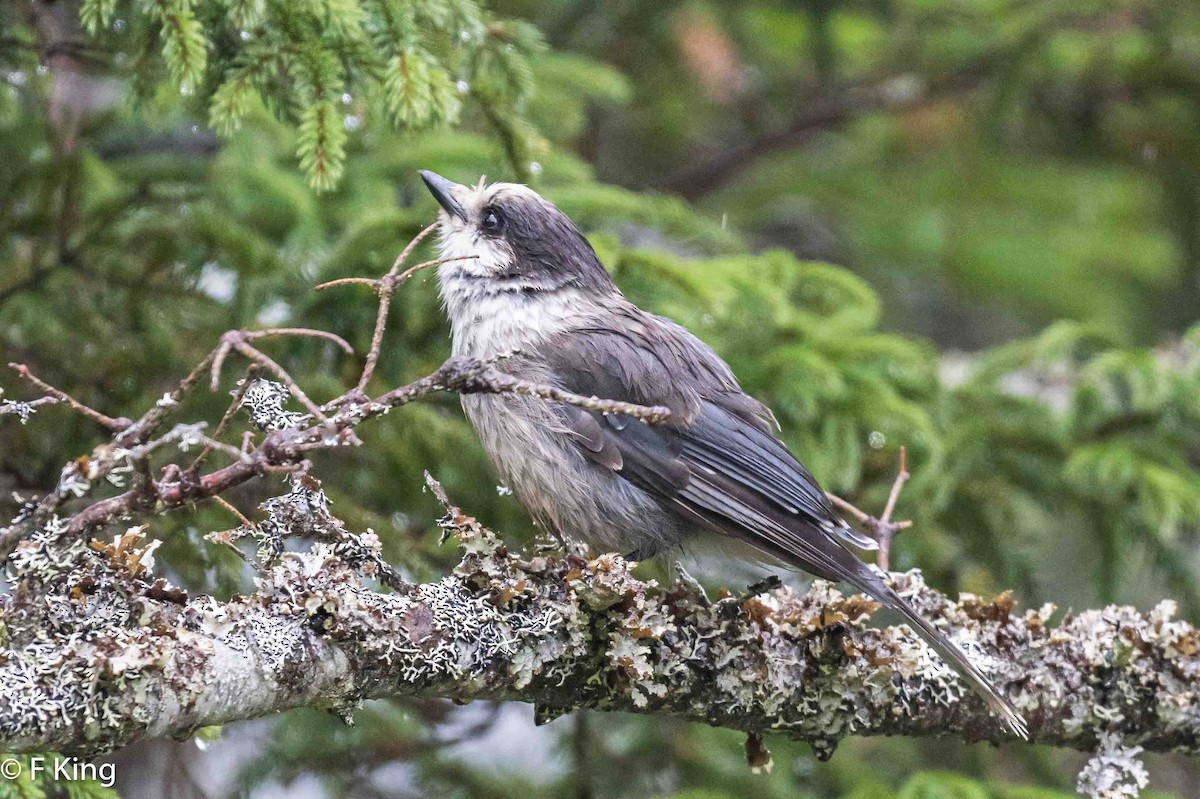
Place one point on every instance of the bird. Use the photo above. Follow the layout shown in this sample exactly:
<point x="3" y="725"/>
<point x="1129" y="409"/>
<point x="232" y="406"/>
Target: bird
<point x="521" y="279"/>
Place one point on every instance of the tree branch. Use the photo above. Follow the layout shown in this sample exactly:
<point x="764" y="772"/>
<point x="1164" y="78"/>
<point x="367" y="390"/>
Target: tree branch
<point x="708" y="171"/>
<point x="117" y="655"/>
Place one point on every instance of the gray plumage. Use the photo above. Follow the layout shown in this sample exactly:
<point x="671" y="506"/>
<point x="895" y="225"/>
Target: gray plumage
<point x="532" y="284"/>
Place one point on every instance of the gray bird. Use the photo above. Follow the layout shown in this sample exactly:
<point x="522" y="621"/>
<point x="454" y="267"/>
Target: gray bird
<point x="532" y="284"/>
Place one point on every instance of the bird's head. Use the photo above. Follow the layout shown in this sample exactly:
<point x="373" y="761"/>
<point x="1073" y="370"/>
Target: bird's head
<point x="514" y="239"/>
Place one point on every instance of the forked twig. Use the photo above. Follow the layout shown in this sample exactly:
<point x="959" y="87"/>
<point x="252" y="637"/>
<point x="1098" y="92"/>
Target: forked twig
<point x="882" y="529"/>
<point x="386" y="286"/>
<point x="229" y="343"/>
<point x="268" y="363"/>
<point x="118" y="425"/>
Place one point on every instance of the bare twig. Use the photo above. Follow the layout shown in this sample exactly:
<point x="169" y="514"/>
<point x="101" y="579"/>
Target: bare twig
<point x="883" y="529"/>
<point x="886" y="527"/>
<point x="227" y="505"/>
<point x="258" y="356"/>
<point x="348" y="281"/>
<point x="116" y="425"/>
<point x="218" y="362"/>
<point x="237" y="340"/>
<point x="252" y="335"/>
<point x="211" y="445"/>
<point x="387" y="287"/>
<point x="226" y="537"/>
<point x="238" y="393"/>
<point x="846" y="507"/>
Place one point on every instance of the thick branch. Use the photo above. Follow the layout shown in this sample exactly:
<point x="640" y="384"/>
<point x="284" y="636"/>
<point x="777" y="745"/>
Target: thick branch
<point x="116" y="655"/>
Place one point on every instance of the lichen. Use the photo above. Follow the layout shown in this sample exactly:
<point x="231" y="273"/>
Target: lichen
<point x="101" y="651"/>
<point x="1114" y="771"/>
<point x="265" y="401"/>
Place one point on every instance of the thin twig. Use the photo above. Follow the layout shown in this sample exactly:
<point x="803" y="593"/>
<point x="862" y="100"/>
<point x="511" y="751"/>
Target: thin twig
<point x="247" y="379"/>
<point x="116" y="425"/>
<point x="227" y="505"/>
<point x="847" y="507"/>
<point x="386" y="287"/>
<point x="270" y="365"/>
<point x="882" y="529"/>
<point x="403" y="277"/>
<point x="218" y="362"/>
<point x="887" y="529"/>
<point x="347" y="281"/>
<point x="901" y="478"/>
<point x="231" y="340"/>
<point x="252" y="335"/>
<point x="211" y="444"/>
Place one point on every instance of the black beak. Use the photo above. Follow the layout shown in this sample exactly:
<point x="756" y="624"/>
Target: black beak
<point x="440" y="188"/>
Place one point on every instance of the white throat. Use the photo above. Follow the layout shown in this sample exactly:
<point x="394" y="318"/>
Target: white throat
<point x="490" y="316"/>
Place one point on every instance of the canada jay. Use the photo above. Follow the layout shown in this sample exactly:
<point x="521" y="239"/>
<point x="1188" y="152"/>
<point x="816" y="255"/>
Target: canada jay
<point x="531" y="283"/>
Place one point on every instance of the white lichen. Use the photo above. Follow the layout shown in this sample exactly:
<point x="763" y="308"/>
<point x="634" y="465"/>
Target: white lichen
<point x="265" y="400"/>
<point x="1114" y="771"/>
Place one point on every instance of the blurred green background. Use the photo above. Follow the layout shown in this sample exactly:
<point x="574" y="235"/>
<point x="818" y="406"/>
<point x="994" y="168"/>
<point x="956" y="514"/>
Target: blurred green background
<point x="966" y="227"/>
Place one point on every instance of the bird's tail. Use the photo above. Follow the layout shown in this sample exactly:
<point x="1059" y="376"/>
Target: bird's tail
<point x="957" y="660"/>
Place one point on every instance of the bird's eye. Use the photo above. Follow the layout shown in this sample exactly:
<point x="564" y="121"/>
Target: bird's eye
<point x="492" y="219"/>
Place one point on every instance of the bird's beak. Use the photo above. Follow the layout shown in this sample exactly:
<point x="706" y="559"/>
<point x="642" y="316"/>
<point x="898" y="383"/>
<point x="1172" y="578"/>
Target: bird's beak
<point x="441" y="190"/>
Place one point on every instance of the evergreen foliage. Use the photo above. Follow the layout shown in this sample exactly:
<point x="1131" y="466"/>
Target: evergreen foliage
<point x="410" y="63"/>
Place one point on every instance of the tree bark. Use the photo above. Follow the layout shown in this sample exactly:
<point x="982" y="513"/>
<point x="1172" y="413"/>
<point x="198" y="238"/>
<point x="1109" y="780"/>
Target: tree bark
<point x="99" y="653"/>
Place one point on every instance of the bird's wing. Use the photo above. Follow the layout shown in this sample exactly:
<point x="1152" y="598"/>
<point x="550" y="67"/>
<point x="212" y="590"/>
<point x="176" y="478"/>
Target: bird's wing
<point x="716" y="461"/>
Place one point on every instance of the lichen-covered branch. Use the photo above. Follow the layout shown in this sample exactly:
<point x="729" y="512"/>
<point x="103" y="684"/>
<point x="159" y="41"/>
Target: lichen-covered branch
<point x="96" y="651"/>
<point x="114" y="654"/>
